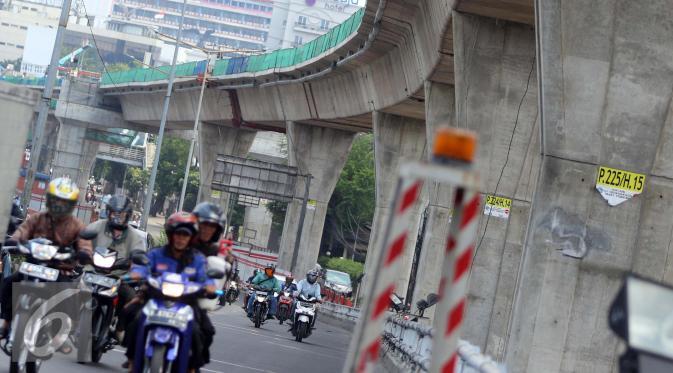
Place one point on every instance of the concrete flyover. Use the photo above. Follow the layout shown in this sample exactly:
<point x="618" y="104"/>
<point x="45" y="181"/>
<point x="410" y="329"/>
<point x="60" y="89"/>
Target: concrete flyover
<point x="554" y="89"/>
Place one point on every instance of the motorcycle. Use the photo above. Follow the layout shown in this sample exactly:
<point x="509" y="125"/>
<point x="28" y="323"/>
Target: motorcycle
<point x="165" y="329"/>
<point x="304" y="316"/>
<point x="260" y="305"/>
<point x="40" y="267"/>
<point x="232" y="293"/>
<point x="103" y="286"/>
<point x="285" y="301"/>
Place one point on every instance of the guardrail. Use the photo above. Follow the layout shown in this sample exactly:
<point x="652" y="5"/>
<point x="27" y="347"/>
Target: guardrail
<point x="408" y="344"/>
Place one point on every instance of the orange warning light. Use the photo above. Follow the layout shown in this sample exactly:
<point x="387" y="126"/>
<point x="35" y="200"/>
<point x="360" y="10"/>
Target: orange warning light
<point x="455" y="143"/>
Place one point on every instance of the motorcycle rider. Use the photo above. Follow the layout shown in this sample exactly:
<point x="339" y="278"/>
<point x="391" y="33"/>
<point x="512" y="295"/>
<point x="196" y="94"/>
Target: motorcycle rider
<point x="56" y="224"/>
<point x="116" y="234"/>
<point x="309" y="288"/>
<point x="248" y="283"/>
<point x="267" y="281"/>
<point x="211" y="226"/>
<point x="179" y="257"/>
<point x="289" y="284"/>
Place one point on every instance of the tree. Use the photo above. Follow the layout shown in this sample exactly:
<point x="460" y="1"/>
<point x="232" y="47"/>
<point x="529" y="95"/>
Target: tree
<point x="16" y="63"/>
<point x="353" y="201"/>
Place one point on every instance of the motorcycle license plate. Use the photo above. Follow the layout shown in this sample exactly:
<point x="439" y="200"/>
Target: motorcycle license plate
<point x="92" y="278"/>
<point x="38" y="271"/>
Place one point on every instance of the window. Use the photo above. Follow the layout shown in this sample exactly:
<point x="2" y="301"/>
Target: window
<point x="5" y="24"/>
<point x="324" y="24"/>
<point x="298" y="40"/>
<point x="2" y="43"/>
<point x="19" y="46"/>
<point x="301" y="20"/>
<point x="24" y="28"/>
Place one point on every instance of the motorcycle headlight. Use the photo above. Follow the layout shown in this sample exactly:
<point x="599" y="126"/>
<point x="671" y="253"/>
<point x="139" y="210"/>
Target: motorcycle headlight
<point x="105" y="262"/>
<point x="42" y="251"/>
<point x="233" y="284"/>
<point x="261" y="298"/>
<point x="172" y="290"/>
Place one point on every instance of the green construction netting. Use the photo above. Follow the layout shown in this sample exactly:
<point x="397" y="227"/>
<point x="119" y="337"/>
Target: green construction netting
<point x="282" y="58"/>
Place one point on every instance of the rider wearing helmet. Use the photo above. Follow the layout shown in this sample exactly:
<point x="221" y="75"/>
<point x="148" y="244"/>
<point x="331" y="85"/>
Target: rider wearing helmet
<point x="289" y="284"/>
<point x="309" y="288"/>
<point x="115" y="233"/>
<point x="268" y="282"/>
<point x="211" y="222"/>
<point x="57" y="225"/>
<point x="179" y="257"/>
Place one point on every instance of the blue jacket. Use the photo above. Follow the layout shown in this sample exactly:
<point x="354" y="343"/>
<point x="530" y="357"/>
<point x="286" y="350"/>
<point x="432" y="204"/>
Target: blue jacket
<point x="161" y="262"/>
<point x="291" y="288"/>
<point x="268" y="283"/>
<point x="309" y="290"/>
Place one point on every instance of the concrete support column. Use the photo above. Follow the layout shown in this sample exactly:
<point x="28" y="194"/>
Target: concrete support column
<point x="74" y="156"/>
<point x="396" y="140"/>
<point x="321" y="152"/>
<point x="606" y="100"/>
<point x="496" y="96"/>
<point x="213" y="140"/>
<point x="440" y="104"/>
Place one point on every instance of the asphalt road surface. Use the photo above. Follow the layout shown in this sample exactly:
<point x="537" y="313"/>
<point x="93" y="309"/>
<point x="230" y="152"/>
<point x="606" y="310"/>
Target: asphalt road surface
<point x="239" y="348"/>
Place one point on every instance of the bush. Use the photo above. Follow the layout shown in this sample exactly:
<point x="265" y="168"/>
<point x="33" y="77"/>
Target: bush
<point x="353" y="268"/>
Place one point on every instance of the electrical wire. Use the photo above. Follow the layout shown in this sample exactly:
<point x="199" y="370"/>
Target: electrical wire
<point x="509" y="149"/>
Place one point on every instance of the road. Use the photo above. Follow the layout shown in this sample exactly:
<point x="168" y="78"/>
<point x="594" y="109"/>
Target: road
<point x="240" y="348"/>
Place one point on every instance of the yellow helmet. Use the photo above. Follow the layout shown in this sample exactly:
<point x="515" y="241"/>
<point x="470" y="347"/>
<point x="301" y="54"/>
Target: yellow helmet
<point x="63" y="188"/>
<point x="62" y="195"/>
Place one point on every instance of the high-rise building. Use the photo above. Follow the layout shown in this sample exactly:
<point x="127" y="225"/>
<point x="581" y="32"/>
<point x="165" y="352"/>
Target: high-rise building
<point x="296" y="22"/>
<point x="15" y="18"/>
<point x="214" y="24"/>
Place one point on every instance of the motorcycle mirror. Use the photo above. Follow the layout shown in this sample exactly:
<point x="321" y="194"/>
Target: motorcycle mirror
<point x="88" y="234"/>
<point x="215" y="274"/>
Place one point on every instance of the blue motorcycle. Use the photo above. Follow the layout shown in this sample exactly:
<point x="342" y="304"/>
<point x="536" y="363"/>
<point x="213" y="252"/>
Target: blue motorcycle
<point x="165" y="332"/>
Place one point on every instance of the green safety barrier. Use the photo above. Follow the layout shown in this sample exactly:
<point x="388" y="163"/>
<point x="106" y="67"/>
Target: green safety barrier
<point x="282" y="58"/>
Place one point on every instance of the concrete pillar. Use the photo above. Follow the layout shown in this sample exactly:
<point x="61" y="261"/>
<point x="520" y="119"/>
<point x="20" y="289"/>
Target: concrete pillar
<point x="440" y="104"/>
<point x="606" y="99"/>
<point x="17" y="106"/>
<point x="396" y="140"/>
<point x="496" y="96"/>
<point x="74" y="156"/>
<point x="321" y="152"/>
<point x="213" y="140"/>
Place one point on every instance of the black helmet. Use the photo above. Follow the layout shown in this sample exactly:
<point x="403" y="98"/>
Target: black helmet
<point x="118" y="212"/>
<point x="207" y="212"/>
<point x="312" y="276"/>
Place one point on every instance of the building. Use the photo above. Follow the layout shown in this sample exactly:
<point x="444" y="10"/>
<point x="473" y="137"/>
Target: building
<point x="296" y="22"/>
<point x="214" y="24"/>
<point x="15" y="18"/>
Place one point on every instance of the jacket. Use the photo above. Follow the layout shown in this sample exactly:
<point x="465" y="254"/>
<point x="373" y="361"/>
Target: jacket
<point x="308" y="290"/>
<point x="268" y="283"/>
<point x="64" y="232"/>
<point x="291" y="288"/>
<point x="130" y="240"/>
<point x="193" y="265"/>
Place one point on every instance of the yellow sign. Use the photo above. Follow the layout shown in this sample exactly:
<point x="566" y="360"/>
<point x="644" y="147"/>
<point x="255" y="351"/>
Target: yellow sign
<point x="311" y="204"/>
<point x="620" y="179"/>
<point x="497" y="206"/>
<point x="617" y="186"/>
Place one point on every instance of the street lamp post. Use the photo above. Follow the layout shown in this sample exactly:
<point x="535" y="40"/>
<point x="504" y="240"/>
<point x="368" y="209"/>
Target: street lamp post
<point x="162" y="126"/>
<point x="195" y="133"/>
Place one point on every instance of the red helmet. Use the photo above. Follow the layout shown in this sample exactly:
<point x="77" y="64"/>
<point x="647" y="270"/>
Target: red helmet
<point x="181" y="220"/>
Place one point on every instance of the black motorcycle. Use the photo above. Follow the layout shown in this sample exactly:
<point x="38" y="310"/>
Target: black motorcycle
<point x="103" y="284"/>
<point x="260" y="305"/>
<point x="27" y="329"/>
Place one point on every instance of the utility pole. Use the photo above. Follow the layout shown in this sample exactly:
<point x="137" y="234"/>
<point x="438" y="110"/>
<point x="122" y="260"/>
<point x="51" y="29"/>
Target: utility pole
<point x="43" y="107"/>
<point x="162" y="126"/>
<point x="195" y="134"/>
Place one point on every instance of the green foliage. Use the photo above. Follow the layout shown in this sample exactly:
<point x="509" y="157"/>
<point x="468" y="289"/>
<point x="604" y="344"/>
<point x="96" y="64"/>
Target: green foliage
<point x="353" y="268"/>
<point x="116" y="67"/>
<point x="16" y="63"/>
<point x="277" y="210"/>
<point x="136" y="180"/>
<point x="353" y="201"/>
<point x="161" y="240"/>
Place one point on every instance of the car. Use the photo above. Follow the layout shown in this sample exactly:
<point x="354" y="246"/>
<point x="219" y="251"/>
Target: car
<point x="339" y="282"/>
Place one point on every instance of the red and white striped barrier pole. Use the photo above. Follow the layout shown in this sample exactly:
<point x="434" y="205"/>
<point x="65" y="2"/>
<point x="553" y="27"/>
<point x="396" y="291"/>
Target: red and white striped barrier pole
<point x="454" y="151"/>
<point x="365" y="349"/>
<point x="453" y="283"/>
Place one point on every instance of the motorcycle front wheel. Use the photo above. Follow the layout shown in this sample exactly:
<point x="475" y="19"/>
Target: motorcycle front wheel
<point x="301" y="331"/>
<point x="157" y="362"/>
<point x="258" y="317"/>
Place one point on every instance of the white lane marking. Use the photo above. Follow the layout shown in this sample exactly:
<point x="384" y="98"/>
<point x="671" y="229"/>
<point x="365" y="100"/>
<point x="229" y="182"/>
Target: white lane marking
<point x="241" y="366"/>
<point x="305" y="350"/>
<point x="247" y="330"/>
